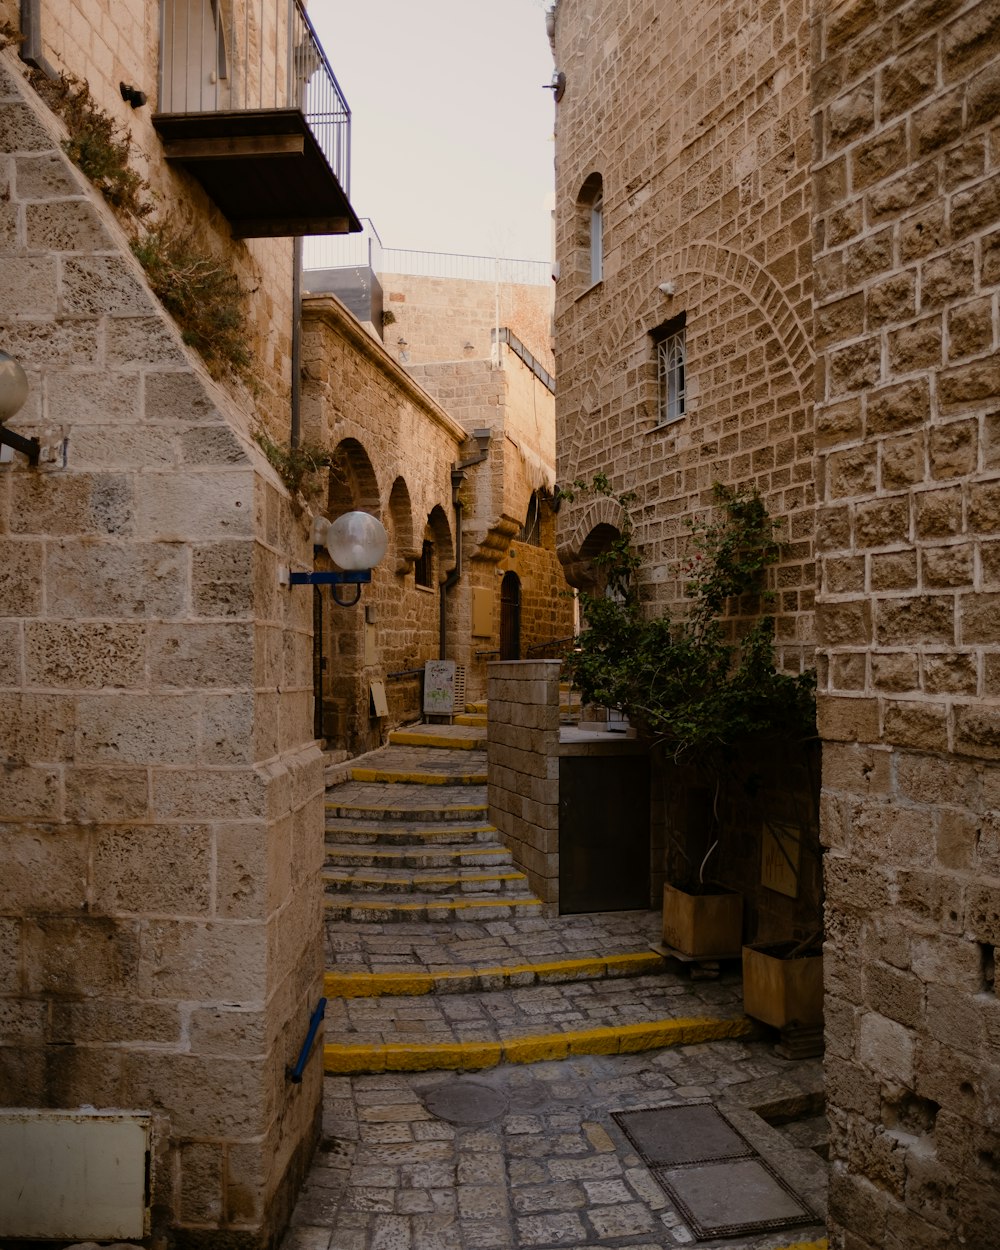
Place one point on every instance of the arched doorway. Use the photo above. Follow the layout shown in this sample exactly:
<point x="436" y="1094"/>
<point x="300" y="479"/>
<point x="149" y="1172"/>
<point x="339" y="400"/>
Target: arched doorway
<point x="510" y="617"/>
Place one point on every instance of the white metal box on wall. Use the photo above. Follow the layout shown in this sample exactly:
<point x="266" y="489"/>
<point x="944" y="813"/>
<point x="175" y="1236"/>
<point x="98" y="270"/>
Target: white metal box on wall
<point x="74" y="1174"/>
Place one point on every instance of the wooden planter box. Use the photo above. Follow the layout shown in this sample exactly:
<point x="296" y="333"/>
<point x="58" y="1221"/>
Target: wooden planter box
<point x="702" y="924"/>
<point x="782" y="991"/>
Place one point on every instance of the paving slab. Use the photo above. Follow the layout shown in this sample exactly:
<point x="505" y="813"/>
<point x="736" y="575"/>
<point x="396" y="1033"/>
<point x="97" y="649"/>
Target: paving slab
<point x="550" y="1166"/>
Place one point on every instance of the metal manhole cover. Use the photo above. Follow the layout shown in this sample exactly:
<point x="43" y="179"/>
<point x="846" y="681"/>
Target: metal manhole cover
<point x="669" y="1136"/>
<point x="733" y="1198"/>
<point x="465" y="1102"/>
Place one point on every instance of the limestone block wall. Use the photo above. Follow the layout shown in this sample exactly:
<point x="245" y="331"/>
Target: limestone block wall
<point x="522" y="753"/>
<point x="452" y="319"/>
<point x="397" y="449"/>
<point x="695" y="119"/>
<point x="106" y="44"/>
<point x="906" y="243"/>
<point x="161" y="793"/>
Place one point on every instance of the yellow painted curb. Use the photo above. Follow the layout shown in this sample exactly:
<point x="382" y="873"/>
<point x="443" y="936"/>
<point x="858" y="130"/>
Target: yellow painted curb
<point x="401" y="738"/>
<point x="458" y="904"/>
<point x="379" y="984"/>
<point x="419" y="882"/>
<point x="807" y="1245"/>
<point x="394" y="777"/>
<point x="435" y="1056"/>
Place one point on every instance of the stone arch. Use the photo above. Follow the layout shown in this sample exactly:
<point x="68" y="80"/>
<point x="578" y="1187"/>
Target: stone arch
<point x="633" y="316"/>
<point x="353" y="484"/>
<point x="401" y="520"/>
<point x="439" y="532"/>
<point x="598" y="524"/>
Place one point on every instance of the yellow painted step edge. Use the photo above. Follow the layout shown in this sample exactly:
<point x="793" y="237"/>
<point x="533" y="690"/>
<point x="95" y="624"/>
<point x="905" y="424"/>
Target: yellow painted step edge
<point x="458" y="904"/>
<point x="385" y="984"/>
<point x="401" y="738"/>
<point x="417" y="881"/>
<point x="391" y="776"/>
<point x="822" y="1244"/>
<point x="439" y="1056"/>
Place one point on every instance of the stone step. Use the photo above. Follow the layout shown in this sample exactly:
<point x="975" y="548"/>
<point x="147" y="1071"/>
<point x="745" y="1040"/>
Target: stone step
<point x="471" y="719"/>
<point x="401" y="882"/>
<point x="458" y="737"/>
<point x="421" y="777"/>
<point x="420" y="908"/>
<point x="414" y="834"/>
<point x="476" y="709"/>
<point x="407" y="802"/>
<point x="616" y="1016"/>
<point x="446" y="855"/>
<point x="409" y="980"/>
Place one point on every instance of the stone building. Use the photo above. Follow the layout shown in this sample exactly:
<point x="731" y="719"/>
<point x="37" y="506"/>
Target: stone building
<point x="465" y="475"/>
<point x="161" y="796"/>
<point x="162" y="790"/>
<point x="776" y="234"/>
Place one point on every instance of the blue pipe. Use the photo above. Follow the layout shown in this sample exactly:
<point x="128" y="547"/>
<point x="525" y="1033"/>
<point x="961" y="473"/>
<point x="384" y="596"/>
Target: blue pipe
<point x="295" y="1074"/>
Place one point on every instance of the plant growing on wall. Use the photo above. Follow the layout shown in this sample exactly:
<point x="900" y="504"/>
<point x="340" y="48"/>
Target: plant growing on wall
<point x="707" y="680"/>
<point x="204" y="297"/>
<point x="299" y="467"/>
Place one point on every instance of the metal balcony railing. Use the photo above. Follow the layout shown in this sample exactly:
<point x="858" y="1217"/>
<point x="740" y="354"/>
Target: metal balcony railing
<point x="336" y="252"/>
<point x="238" y="56"/>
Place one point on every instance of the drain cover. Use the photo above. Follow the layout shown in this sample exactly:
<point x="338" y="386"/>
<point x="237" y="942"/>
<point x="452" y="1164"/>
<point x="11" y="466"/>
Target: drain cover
<point x="465" y="1102"/>
<point x="732" y="1198"/>
<point x="675" y="1135"/>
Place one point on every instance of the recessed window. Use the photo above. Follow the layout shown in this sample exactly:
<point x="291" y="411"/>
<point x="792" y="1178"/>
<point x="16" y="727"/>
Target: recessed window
<point x="423" y="566"/>
<point x="597" y="240"/>
<point x="531" y="530"/>
<point x="671" y="360"/>
<point x="590" y="229"/>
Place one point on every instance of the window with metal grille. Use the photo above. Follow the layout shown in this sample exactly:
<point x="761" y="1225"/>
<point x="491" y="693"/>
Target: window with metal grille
<point x="423" y="566"/>
<point x="671" y="360"/>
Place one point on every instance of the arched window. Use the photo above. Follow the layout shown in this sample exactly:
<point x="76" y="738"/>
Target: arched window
<point x="590" y="221"/>
<point x="531" y="530"/>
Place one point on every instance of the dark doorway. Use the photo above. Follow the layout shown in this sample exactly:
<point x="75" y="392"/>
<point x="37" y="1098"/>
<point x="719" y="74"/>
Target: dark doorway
<point x="603" y="833"/>
<point x="510" y="617"/>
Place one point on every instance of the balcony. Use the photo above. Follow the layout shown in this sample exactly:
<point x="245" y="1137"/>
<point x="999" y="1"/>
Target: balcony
<point x="249" y="105"/>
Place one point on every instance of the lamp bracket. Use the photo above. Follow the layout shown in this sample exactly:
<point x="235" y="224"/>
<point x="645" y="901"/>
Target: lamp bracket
<point x="29" y="447"/>
<point x="355" y="578"/>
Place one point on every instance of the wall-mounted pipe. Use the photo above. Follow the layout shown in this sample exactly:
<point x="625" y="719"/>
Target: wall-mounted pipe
<point x="482" y="438"/>
<point x="295" y="1074"/>
<point x="32" y="49"/>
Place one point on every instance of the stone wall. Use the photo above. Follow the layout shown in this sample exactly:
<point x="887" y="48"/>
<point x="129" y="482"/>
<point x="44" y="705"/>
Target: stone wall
<point x="906" y="241"/>
<point x="453" y="319"/>
<point x="106" y="44"/>
<point x="161" y="793"/>
<point x="695" y="117"/>
<point x="397" y="449"/>
<point x="522" y="755"/>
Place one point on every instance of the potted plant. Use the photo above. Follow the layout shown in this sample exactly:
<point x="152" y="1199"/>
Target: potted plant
<point x="783" y="982"/>
<point x="698" y="688"/>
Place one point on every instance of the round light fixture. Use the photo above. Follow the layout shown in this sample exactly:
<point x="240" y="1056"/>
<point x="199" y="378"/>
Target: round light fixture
<point x="13" y="387"/>
<point x="356" y="541"/>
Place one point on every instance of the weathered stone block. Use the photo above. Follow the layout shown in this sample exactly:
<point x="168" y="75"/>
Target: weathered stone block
<point x="88" y="654"/>
<point x="917" y="619"/>
<point x="96" y="286"/>
<point x="153" y="869"/>
<point x="922" y="726"/>
<point x="110" y="580"/>
<point x="82" y="956"/>
<point x="131" y="729"/>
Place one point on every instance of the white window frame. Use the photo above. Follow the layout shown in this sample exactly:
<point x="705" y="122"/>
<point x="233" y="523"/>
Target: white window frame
<point x="671" y="364"/>
<point x="597" y="240"/>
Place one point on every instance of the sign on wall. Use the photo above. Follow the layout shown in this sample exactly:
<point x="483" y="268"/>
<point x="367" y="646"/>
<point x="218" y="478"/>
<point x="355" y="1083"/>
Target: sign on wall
<point x="439" y="688"/>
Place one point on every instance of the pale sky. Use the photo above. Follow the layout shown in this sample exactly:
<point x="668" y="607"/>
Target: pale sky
<point x="451" y="129"/>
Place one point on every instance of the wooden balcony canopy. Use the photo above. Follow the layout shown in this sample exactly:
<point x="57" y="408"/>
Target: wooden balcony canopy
<point x="263" y="168"/>
<point x="249" y="105"/>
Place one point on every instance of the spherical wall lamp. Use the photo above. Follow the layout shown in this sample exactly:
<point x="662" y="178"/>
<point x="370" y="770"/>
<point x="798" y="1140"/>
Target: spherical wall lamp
<point x="13" y="393"/>
<point x="356" y="542"/>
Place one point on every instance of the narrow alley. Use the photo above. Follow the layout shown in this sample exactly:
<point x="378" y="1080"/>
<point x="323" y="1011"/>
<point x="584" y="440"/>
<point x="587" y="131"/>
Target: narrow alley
<point x="490" y="1071"/>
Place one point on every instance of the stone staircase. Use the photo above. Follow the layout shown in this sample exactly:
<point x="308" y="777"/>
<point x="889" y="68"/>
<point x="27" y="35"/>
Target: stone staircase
<point x="440" y="957"/>
<point x="407" y="836"/>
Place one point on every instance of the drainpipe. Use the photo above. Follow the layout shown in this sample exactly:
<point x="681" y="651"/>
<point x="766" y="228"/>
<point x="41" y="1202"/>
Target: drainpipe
<point x="295" y="431"/>
<point x="482" y="438"/>
<point x="32" y="50"/>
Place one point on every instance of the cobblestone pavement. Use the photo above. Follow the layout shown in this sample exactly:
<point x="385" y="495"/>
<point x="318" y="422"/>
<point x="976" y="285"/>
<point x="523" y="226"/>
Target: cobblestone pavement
<point x="419" y="947"/>
<point x="498" y="1014"/>
<point x="549" y="1167"/>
